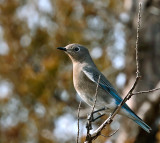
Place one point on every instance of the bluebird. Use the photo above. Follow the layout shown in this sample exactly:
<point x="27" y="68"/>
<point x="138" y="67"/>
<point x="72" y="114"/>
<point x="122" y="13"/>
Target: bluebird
<point x="86" y="76"/>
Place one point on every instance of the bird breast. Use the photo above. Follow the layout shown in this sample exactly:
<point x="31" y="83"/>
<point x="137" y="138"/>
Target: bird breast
<point x="86" y="89"/>
<point x="83" y="86"/>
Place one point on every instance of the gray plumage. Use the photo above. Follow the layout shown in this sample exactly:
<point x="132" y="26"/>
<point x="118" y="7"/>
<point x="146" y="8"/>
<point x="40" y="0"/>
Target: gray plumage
<point x="85" y="79"/>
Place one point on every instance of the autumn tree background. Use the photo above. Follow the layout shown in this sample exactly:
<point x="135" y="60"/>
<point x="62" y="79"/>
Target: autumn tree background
<point x="38" y="103"/>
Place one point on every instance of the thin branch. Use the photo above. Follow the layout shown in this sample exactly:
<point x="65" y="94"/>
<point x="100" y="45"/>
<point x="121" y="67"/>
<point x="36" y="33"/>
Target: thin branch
<point x="96" y="94"/>
<point x="137" y="40"/>
<point x="111" y="134"/>
<point x="148" y="91"/>
<point x="79" y="108"/>
<point x="89" y="123"/>
<point x="129" y="94"/>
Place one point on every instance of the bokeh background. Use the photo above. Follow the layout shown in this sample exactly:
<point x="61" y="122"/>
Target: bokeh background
<point x="38" y="103"/>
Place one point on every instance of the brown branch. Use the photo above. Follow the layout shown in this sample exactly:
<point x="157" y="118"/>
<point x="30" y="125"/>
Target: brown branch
<point x="89" y="123"/>
<point x="96" y="94"/>
<point x="137" y="40"/>
<point x="79" y="108"/>
<point x="148" y="91"/>
<point x="111" y="134"/>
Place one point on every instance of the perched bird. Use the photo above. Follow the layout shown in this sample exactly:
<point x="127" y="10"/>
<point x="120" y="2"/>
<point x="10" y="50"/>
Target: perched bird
<point x="85" y="79"/>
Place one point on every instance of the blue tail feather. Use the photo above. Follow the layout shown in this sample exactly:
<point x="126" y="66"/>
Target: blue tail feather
<point x="143" y="125"/>
<point x="138" y="120"/>
<point x="134" y="117"/>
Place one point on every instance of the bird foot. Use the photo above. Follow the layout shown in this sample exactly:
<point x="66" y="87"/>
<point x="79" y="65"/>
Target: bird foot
<point x="91" y="116"/>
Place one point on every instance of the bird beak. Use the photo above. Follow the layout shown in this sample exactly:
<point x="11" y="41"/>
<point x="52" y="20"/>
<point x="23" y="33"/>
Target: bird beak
<point x="62" y="48"/>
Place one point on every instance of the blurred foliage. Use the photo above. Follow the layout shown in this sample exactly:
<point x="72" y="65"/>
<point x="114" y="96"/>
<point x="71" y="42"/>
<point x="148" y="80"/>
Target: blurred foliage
<point x="37" y="77"/>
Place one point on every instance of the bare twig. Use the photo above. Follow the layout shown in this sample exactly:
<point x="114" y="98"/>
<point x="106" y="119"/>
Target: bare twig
<point x="96" y="94"/>
<point x="111" y="134"/>
<point x="148" y="91"/>
<point x="89" y="123"/>
<point x="137" y="40"/>
<point x="79" y="108"/>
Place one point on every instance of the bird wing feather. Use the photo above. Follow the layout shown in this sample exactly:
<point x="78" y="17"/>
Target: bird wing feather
<point x="93" y="75"/>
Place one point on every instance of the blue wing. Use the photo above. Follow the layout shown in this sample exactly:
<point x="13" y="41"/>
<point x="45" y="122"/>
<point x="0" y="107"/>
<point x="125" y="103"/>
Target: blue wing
<point x="93" y="74"/>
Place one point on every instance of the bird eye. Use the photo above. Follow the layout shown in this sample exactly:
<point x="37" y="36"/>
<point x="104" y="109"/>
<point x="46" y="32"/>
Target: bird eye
<point x="77" y="49"/>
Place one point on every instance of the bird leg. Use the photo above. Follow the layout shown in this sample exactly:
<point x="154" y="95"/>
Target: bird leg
<point x="94" y="119"/>
<point x="91" y="117"/>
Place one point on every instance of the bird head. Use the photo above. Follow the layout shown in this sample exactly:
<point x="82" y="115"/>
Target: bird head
<point x="76" y="52"/>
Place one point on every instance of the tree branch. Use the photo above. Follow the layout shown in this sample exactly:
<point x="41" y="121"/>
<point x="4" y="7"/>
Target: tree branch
<point x="89" y="123"/>
<point x="137" y="40"/>
<point x="143" y="92"/>
<point x="79" y="108"/>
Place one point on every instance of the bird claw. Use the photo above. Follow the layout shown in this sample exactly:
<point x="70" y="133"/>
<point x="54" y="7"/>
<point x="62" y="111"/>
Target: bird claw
<point x="102" y="109"/>
<point x="91" y="117"/>
<point x="94" y="119"/>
